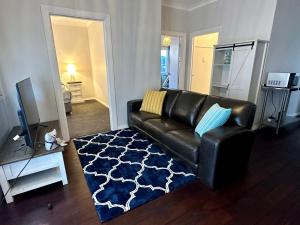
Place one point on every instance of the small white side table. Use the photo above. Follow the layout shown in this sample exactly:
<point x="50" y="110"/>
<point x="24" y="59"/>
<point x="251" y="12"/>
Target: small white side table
<point x="46" y="167"/>
<point x="75" y="87"/>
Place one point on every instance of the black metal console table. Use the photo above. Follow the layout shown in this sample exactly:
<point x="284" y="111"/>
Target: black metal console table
<point x="283" y="119"/>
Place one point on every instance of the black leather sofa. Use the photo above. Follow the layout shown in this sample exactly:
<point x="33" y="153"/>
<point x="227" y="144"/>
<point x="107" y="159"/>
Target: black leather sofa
<point x="220" y="154"/>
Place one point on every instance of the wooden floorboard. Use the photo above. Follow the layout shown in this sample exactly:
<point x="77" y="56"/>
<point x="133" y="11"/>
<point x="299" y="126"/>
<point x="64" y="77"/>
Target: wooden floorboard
<point x="269" y="194"/>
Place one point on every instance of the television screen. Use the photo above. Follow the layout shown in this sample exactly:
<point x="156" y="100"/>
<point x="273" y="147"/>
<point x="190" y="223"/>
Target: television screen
<point x="28" y="114"/>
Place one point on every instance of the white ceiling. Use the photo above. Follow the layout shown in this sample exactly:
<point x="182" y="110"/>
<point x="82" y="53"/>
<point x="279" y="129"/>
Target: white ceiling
<point x="188" y="5"/>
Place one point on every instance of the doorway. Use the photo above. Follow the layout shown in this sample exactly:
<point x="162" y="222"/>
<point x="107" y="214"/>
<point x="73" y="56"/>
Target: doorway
<point x="47" y="12"/>
<point x="80" y="54"/>
<point x="169" y="57"/>
<point x="173" y="50"/>
<point x="202" y="61"/>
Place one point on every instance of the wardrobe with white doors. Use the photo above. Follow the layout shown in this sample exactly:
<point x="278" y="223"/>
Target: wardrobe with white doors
<point x="238" y="69"/>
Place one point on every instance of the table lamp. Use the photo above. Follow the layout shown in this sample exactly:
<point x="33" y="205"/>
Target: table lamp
<point x="71" y="71"/>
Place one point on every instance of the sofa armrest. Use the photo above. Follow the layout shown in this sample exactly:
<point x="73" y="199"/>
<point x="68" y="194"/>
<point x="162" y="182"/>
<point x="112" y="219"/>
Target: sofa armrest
<point x="224" y="154"/>
<point x="133" y="106"/>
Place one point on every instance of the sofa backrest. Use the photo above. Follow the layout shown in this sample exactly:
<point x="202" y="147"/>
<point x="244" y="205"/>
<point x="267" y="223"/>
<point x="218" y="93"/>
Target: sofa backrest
<point x="187" y="106"/>
<point x="242" y="111"/>
<point x="169" y="101"/>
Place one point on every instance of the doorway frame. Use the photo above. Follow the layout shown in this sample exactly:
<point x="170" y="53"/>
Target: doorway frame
<point x="47" y="12"/>
<point x="191" y="43"/>
<point x="182" y="48"/>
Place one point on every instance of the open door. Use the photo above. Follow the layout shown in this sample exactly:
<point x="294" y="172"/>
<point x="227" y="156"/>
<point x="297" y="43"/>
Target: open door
<point x="202" y="61"/>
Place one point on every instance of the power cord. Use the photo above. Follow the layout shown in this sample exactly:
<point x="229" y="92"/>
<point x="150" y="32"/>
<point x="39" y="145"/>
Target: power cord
<point x="272" y="102"/>
<point x="16" y="179"/>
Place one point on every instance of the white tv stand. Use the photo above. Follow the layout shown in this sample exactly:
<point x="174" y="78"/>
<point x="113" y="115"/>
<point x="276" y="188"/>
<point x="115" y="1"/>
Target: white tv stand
<point x="44" y="168"/>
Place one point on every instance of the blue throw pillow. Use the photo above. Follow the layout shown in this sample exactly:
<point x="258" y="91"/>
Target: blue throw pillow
<point x="215" y="117"/>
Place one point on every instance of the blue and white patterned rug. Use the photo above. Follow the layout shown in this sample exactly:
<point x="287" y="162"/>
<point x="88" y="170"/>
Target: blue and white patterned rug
<point x="125" y="170"/>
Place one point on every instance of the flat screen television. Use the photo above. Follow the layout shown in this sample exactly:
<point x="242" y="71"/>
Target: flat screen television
<point x="28" y="113"/>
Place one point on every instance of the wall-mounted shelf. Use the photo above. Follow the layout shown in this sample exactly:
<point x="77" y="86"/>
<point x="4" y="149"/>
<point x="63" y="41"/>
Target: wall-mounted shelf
<point x="223" y="49"/>
<point x="222" y="64"/>
<point x="220" y="85"/>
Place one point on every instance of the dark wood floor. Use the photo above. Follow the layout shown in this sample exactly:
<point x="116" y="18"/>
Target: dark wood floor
<point x="268" y="195"/>
<point x="89" y="117"/>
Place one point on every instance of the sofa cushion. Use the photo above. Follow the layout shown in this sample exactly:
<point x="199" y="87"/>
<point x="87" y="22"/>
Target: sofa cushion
<point x="187" y="106"/>
<point x="185" y="143"/>
<point x="215" y="117"/>
<point x="169" y="101"/>
<point x="153" y="102"/>
<point x="138" y="118"/>
<point x="242" y="111"/>
<point x="159" y="127"/>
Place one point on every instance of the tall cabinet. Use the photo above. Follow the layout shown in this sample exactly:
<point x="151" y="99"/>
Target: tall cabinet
<point x="237" y="70"/>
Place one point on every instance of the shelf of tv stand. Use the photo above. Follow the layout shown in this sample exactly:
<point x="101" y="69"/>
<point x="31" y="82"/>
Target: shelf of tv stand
<point x="35" y="180"/>
<point x="41" y="167"/>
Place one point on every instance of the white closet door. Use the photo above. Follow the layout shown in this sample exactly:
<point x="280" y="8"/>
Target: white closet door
<point x="241" y="72"/>
<point x="201" y="69"/>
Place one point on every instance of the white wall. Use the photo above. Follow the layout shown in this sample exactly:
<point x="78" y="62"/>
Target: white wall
<point x="135" y="40"/>
<point x="206" y="17"/>
<point x="98" y="61"/>
<point x="4" y="123"/>
<point x="136" y="28"/>
<point x="284" y="50"/>
<point x="72" y="47"/>
<point x="5" y="128"/>
<point x="174" y="19"/>
<point x="239" y="20"/>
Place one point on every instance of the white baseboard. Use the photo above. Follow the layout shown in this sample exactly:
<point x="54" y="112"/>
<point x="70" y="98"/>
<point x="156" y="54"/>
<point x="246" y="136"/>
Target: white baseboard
<point x="123" y="126"/>
<point x="87" y="99"/>
<point x="77" y="101"/>
<point x="102" y="102"/>
<point x="98" y="100"/>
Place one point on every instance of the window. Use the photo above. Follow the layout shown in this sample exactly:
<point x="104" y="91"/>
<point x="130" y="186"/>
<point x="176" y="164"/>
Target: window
<point x="165" y="68"/>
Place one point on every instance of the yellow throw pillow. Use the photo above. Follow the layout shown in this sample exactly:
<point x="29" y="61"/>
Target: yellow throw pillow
<point x="153" y="102"/>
